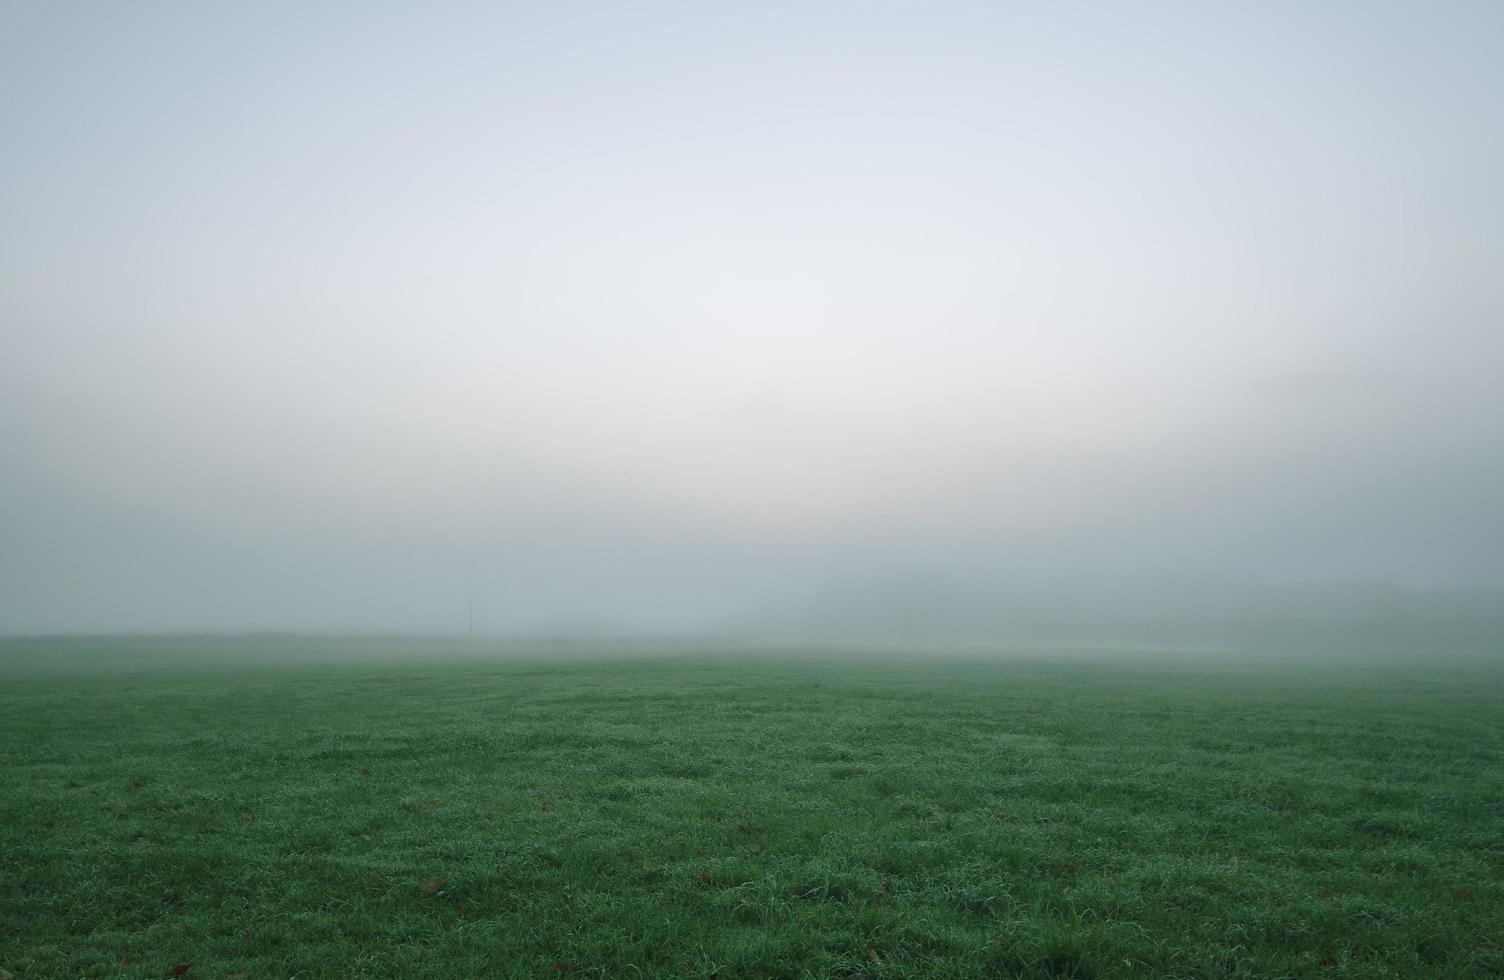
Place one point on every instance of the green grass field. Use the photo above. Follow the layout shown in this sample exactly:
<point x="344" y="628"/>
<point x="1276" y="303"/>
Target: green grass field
<point x="172" y="804"/>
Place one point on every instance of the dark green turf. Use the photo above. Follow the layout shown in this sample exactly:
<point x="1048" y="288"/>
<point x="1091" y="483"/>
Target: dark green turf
<point x="167" y="803"/>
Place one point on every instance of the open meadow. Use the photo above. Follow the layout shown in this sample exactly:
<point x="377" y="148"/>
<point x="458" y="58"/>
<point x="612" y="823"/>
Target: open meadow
<point x="294" y="808"/>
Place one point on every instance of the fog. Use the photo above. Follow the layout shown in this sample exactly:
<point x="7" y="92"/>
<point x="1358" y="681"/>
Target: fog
<point x="875" y="321"/>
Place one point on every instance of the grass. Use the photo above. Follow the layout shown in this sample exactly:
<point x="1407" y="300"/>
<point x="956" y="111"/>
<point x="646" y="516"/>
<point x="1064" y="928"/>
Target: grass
<point x="182" y="803"/>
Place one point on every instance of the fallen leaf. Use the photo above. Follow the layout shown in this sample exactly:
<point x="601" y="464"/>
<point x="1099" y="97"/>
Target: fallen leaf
<point x="1465" y="893"/>
<point x="742" y="829"/>
<point x="872" y="954"/>
<point x="431" y="885"/>
<point x="705" y="879"/>
<point x="1330" y="963"/>
<point x="431" y="804"/>
<point x="563" y="967"/>
<point x="135" y="785"/>
<point x="1327" y="896"/>
<point x="365" y="772"/>
<point x="179" y="970"/>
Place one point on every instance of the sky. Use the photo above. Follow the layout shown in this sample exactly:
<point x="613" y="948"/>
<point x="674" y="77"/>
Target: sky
<point x="682" y="316"/>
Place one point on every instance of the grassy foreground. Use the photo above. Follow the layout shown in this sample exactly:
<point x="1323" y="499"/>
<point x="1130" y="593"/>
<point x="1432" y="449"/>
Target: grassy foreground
<point x="172" y="809"/>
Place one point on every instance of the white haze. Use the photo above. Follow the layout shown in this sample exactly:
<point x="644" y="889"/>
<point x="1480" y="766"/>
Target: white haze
<point x="704" y="316"/>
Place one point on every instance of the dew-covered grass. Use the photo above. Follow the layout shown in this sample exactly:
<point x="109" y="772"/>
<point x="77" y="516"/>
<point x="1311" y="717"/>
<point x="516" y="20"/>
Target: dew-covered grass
<point x="319" y="813"/>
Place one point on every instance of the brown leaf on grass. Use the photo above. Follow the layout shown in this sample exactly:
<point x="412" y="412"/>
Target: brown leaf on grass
<point x="178" y="970"/>
<point x="1073" y="867"/>
<point x="705" y="879"/>
<point x="742" y="829"/>
<point x="135" y="785"/>
<point x="872" y="954"/>
<point x="1327" y="896"/>
<point x="431" y="805"/>
<point x="126" y="961"/>
<point x="365" y="772"/>
<point x="564" y="967"/>
<point x="432" y="886"/>
<point x="1330" y="963"/>
<point x="1464" y="893"/>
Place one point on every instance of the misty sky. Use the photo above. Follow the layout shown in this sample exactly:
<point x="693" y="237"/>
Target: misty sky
<point x="661" y="315"/>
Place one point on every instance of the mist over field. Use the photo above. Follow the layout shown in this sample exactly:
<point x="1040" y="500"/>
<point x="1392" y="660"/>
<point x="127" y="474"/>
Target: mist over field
<point x="752" y="491"/>
<point x="838" y="321"/>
